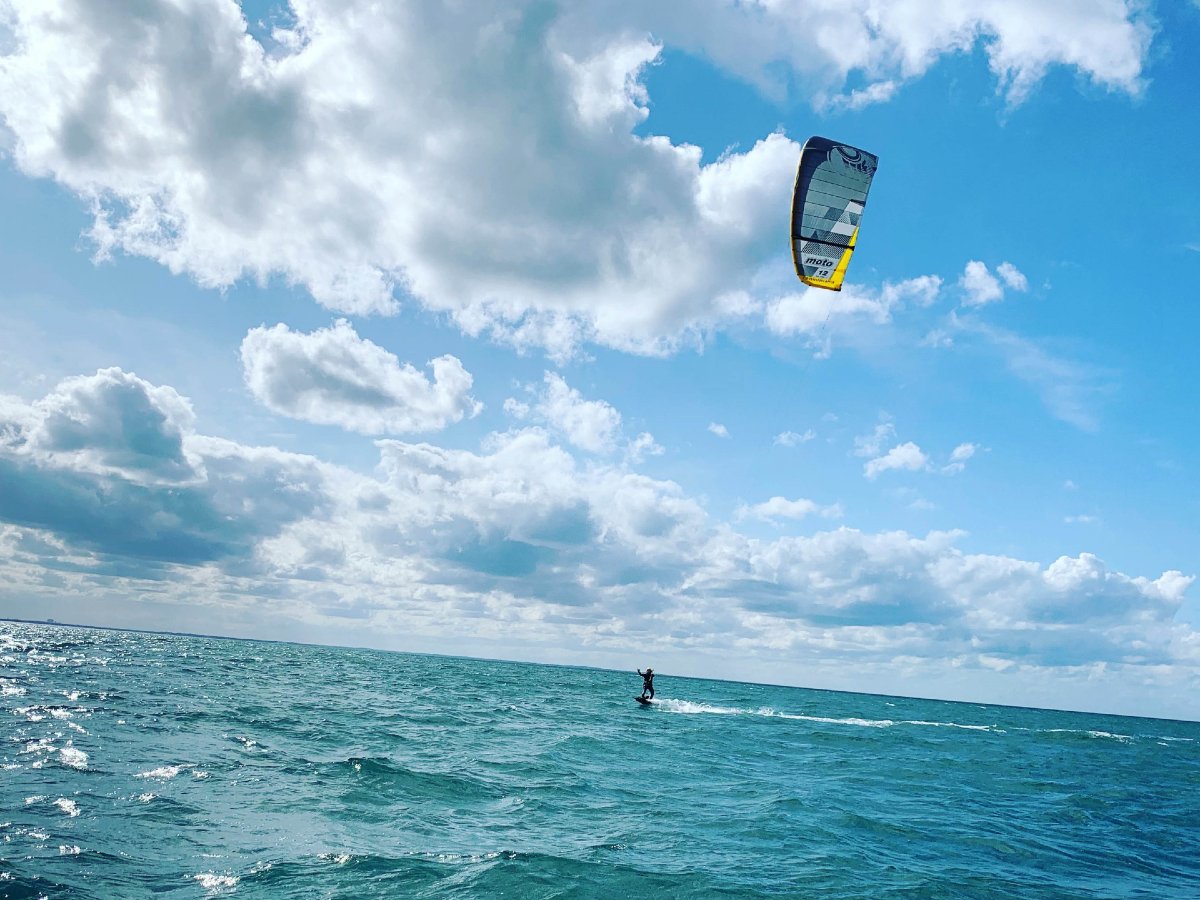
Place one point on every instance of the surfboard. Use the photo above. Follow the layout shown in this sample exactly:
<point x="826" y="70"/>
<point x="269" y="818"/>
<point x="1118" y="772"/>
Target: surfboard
<point x="645" y="701"/>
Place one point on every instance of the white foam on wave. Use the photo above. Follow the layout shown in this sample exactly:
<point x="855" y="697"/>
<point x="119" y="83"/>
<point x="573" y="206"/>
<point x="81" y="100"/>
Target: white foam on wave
<point x="70" y="807"/>
<point x="164" y="772"/>
<point x="339" y="858"/>
<point x="73" y="757"/>
<point x="41" y="745"/>
<point x="956" y="725"/>
<point x="1123" y="738"/>
<point x="687" y="706"/>
<point x="64" y="850"/>
<point x="827" y="720"/>
<point x="214" y="883"/>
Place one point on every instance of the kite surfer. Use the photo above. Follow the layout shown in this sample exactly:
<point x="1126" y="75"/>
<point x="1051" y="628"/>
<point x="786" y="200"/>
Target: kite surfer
<point x="647" y="682"/>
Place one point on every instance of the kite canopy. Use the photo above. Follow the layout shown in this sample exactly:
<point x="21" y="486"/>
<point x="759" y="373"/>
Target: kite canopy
<point x="831" y="192"/>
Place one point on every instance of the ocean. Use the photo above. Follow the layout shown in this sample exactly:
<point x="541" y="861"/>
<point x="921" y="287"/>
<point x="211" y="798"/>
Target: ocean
<point x="141" y="764"/>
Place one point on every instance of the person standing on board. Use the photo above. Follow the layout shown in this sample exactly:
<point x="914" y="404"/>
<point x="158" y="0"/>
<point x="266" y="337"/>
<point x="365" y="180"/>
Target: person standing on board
<point x="647" y="682"/>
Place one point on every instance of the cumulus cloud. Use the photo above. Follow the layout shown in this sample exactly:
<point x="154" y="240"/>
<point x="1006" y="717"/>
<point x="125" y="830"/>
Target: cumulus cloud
<point x="819" y="315"/>
<point x="981" y="287"/>
<point x="1012" y="276"/>
<point x="903" y="457"/>
<point x="334" y="377"/>
<point x="112" y="423"/>
<point x="818" y="44"/>
<point x="590" y="425"/>
<point x="920" y="291"/>
<point x="718" y="429"/>
<point x="509" y="192"/>
<point x="782" y="508"/>
<point x="111" y="463"/>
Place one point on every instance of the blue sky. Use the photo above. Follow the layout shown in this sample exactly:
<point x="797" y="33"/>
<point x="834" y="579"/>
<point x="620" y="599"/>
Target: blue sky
<point x="474" y="330"/>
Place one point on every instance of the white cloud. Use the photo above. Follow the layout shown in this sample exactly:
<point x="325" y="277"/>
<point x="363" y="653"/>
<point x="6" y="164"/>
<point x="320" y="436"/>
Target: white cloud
<point x="792" y="439"/>
<point x="591" y="425"/>
<point x="921" y="291"/>
<point x="979" y="285"/>
<point x="509" y="191"/>
<point x="718" y="429"/>
<point x="872" y="444"/>
<point x="958" y="458"/>
<point x="519" y="203"/>
<point x="112" y="423"/>
<point x="518" y="409"/>
<point x="782" y="508"/>
<point x="1080" y="520"/>
<point x="642" y="446"/>
<point x="938" y="337"/>
<point x="817" y="313"/>
<point x="820" y="42"/>
<point x="334" y="377"/>
<point x="111" y="464"/>
<point x="903" y="457"/>
<point x="1012" y="276"/>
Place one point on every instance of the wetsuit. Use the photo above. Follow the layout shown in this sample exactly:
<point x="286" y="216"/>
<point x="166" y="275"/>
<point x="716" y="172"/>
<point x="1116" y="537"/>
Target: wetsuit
<point x="647" y="682"/>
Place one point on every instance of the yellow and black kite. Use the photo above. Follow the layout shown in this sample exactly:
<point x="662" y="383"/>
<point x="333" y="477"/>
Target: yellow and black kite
<point x="832" y="182"/>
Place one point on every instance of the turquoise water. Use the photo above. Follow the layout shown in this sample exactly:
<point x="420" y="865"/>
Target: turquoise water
<point x="138" y="764"/>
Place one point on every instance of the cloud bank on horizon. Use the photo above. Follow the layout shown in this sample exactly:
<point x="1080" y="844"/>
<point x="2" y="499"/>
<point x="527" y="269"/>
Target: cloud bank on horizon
<point x="106" y="475"/>
<point x="523" y="195"/>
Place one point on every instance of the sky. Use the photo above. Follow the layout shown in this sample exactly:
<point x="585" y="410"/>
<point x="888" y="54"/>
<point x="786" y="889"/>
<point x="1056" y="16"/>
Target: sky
<point x="472" y="328"/>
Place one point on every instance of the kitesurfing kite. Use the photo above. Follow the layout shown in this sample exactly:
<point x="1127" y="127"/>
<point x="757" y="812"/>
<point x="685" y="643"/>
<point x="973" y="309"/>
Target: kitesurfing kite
<point x="831" y="192"/>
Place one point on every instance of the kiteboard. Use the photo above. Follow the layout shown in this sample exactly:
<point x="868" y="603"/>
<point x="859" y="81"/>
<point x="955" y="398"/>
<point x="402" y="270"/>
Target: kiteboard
<point x="645" y="701"/>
